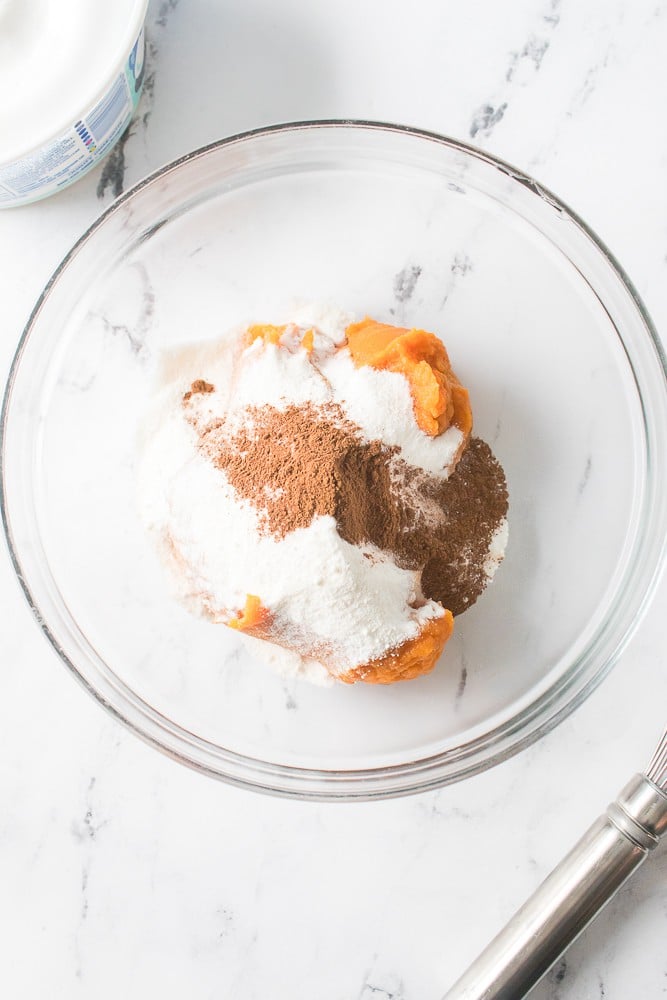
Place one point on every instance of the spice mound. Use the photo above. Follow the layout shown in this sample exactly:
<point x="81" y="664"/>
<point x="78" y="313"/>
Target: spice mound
<point x="317" y="486"/>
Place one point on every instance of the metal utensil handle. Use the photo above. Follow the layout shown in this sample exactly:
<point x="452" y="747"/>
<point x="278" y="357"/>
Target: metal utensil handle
<point x="536" y="936"/>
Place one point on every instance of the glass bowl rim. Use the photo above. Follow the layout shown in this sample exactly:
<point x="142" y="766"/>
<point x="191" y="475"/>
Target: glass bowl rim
<point x="509" y="737"/>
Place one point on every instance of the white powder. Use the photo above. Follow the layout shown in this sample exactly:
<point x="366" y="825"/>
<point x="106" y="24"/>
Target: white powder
<point x="351" y="602"/>
<point x="269" y="375"/>
<point x="287" y="663"/>
<point x="497" y="547"/>
<point x="379" y="402"/>
<point x="328" y="319"/>
<point x="333" y="595"/>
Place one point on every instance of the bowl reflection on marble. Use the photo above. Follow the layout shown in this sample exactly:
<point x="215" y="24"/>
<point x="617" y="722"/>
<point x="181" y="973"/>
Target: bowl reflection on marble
<point x="567" y="384"/>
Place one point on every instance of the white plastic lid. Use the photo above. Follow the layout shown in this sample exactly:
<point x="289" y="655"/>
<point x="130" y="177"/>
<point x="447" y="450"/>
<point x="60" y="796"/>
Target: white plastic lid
<point x="57" y="58"/>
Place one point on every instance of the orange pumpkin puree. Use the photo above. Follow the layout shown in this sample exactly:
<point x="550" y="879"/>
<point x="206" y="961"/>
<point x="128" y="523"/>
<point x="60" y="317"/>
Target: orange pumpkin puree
<point x="308" y="340"/>
<point x="414" y="657"/>
<point x="252" y="616"/>
<point x="438" y="398"/>
<point x="265" y="331"/>
<point x="271" y="335"/>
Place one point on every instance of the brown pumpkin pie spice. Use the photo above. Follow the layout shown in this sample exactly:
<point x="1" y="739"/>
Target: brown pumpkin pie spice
<point x="304" y="461"/>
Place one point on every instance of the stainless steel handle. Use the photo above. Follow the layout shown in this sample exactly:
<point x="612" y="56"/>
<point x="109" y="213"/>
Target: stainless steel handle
<point x="569" y="898"/>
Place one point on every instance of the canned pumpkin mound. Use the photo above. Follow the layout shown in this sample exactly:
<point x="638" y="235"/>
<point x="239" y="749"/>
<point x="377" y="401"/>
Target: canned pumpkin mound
<point x="71" y="73"/>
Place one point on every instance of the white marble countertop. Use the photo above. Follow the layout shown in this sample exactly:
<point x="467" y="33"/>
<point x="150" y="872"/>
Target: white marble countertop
<point x="123" y="874"/>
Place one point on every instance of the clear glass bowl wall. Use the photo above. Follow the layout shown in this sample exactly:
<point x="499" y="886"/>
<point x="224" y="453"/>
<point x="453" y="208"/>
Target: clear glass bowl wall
<point x="567" y="383"/>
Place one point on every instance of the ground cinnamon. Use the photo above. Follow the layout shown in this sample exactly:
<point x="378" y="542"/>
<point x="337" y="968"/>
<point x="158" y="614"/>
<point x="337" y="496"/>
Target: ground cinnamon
<point x="306" y="461"/>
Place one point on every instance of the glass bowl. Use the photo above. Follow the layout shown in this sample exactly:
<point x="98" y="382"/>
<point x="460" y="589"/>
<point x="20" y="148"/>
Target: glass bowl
<point x="567" y="382"/>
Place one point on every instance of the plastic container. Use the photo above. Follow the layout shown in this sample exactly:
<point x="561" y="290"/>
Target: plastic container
<point x="71" y="74"/>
